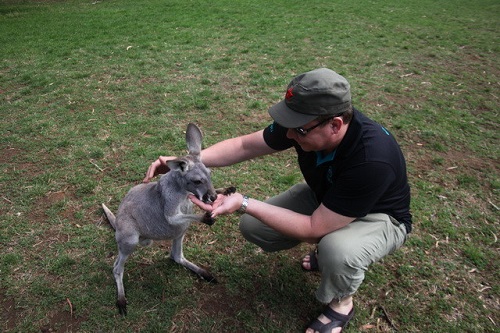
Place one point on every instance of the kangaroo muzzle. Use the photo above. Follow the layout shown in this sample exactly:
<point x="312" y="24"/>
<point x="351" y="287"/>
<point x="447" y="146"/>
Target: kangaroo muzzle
<point x="209" y="198"/>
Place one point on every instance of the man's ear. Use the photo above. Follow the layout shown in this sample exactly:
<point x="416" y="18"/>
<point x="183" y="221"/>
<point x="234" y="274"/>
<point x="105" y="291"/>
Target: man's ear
<point x="336" y="124"/>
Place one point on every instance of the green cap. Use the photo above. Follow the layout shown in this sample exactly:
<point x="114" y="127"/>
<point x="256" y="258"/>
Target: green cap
<point x="320" y="92"/>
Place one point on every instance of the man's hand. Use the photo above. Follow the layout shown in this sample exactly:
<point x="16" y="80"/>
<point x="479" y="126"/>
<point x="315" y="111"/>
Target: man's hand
<point x="158" y="167"/>
<point x="223" y="205"/>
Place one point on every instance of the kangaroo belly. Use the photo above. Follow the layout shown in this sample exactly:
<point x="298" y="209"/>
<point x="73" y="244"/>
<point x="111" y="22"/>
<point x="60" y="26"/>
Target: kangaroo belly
<point x="163" y="231"/>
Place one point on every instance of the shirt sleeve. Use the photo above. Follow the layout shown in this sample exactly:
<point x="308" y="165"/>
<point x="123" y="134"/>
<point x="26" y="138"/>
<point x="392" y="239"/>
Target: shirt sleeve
<point x="356" y="190"/>
<point x="275" y="137"/>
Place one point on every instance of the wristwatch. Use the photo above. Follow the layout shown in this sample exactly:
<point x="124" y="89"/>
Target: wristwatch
<point x="244" y="205"/>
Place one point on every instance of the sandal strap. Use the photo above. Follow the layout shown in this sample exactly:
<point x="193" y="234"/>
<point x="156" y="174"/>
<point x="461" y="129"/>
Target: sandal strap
<point x="337" y="320"/>
<point x="320" y="327"/>
<point x="313" y="260"/>
<point x="334" y="315"/>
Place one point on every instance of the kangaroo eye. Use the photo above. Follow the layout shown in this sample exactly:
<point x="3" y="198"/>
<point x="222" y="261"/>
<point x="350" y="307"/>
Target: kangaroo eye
<point x="197" y="182"/>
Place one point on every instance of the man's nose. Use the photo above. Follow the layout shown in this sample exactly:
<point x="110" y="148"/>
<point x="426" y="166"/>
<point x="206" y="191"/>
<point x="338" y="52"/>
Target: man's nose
<point x="290" y="133"/>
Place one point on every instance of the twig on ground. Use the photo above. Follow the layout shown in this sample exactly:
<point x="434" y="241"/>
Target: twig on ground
<point x="7" y="200"/>
<point x="491" y="203"/>
<point x="70" y="306"/>
<point x="94" y="164"/>
<point x="389" y="320"/>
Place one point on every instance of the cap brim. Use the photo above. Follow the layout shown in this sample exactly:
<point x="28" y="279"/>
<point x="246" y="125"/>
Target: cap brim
<point x="289" y="118"/>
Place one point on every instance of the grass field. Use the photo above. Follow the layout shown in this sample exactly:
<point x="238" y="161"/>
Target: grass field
<point x="91" y="92"/>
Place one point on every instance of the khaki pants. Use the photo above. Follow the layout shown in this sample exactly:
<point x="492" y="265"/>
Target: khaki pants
<point x="343" y="255"/>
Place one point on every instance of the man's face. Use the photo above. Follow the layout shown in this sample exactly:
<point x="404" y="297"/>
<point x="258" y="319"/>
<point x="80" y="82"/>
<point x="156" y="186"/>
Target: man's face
<point x="314" y="136"/>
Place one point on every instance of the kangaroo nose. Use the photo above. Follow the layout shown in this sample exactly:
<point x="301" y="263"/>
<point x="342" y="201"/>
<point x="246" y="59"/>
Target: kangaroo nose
<point x="207" y="198"/>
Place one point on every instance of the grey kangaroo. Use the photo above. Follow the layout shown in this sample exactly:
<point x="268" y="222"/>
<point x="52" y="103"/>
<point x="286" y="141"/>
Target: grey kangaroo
<point x="161" y="210"/>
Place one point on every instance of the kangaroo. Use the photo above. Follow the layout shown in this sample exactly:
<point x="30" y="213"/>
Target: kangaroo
<point x="161" y="210"/>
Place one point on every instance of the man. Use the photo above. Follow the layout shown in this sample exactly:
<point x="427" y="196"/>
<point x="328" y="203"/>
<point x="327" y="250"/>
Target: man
<point x="354" y="203"/>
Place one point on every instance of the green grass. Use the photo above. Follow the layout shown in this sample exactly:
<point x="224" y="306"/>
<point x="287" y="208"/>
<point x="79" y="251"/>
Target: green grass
<point x="92" y="92"/>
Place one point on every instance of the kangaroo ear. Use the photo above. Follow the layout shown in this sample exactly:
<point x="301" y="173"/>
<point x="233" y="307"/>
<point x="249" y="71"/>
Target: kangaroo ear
<point x="179" y="164"/>
<point x="193" y="139"/>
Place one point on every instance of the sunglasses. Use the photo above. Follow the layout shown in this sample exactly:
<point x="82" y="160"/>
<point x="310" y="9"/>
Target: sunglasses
<point x="303" y="131"/>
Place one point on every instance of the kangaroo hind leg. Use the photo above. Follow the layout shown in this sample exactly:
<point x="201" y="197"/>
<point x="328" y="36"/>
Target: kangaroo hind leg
<point x="177" y="256"/>
<point x="125" y="248"/>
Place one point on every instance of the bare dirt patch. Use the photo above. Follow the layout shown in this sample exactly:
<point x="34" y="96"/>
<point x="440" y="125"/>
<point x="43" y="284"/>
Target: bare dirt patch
<point x="8" y="313"/>
<point x="62" y="320"/>
<point x="50" y="199"/>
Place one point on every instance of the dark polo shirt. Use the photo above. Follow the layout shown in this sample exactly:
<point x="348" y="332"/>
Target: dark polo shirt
<point x="365" y="174"/>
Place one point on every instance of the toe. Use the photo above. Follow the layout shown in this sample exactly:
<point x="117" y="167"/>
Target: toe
<point x="306" y="262"/>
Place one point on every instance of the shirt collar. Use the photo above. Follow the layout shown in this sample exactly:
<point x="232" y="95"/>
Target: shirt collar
<point x="321" y="158"/>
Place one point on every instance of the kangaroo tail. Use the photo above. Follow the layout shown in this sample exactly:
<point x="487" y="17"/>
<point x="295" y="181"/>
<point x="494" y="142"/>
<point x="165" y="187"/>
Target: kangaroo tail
<point x="109" y="214"/>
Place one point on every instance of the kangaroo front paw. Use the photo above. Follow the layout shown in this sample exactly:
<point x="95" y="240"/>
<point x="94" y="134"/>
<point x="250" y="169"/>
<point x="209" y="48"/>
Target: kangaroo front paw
<point x="226" y="191"/>
<point x="230" y="190"/>
<point x="208" y="219"/>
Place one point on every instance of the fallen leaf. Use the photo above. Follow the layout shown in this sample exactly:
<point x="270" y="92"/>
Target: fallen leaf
<point x="367" y="327"/>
